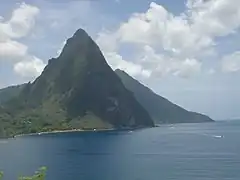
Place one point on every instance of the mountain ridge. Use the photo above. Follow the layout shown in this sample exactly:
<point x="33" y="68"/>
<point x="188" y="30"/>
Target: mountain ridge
<point x="160" y="109"/>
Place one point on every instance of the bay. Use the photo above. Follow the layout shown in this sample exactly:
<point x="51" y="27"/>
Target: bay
<point x="209" y="151"/>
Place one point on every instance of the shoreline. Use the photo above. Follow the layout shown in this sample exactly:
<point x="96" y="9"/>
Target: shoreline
<point x="77" y="130"/>
<point x="62" y="131"/>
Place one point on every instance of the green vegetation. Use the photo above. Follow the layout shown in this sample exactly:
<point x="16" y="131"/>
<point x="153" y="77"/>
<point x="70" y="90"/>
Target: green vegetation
<point x="10" y="92"/>
<point x="39" y="175"/>
<point x="1" y="175"/>
<point x="76" y="90"/>
<point x="90" y="122"/>
<point x="160" y="109"/>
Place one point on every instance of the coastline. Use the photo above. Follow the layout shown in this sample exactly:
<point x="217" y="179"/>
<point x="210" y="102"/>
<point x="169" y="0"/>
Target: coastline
<point x="63" y="131"/>
<point x="75" y="130"/>
<point x="79" y="130"/>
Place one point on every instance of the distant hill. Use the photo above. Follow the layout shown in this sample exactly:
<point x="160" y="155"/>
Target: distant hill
<point x="10" y="92"/>
<point x="76" y="90"/>
<point x="160" y="109"/>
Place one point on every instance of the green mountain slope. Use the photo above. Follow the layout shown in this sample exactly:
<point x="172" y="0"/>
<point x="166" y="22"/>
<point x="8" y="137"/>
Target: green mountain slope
<point x="160" y="109"/>
<point x="10" y="92"/>
<point x="76" y="90"/>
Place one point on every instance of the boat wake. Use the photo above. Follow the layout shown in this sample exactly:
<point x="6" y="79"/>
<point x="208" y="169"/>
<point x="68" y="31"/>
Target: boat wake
<point x="214" y="136"/>
<point x="218" y="136"/>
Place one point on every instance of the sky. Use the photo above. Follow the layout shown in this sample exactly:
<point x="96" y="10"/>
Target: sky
<point x="185" y="50"/>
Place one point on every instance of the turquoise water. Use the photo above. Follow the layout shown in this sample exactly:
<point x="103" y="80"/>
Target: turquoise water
<point x="209" y="151"/>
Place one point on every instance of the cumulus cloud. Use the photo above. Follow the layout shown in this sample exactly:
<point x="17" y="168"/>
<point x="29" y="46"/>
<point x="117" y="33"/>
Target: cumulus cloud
<point x="21" y="21"/>
<point x="19" y="25"/>
<point x="182" y="39"/>
<point x="116" y="61"/>
<point x="215" y="17"/>
<point x="12" y="50"/>
<point x="29" y="68"/>
<point x="187" y="33"/>
<point x="160" y="65"/>
<point x="108" y="41"/>
<point x="231" y="63"/>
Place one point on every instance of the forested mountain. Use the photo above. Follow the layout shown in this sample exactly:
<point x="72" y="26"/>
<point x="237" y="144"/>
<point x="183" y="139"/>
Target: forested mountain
<point x="160" y="109"/>
<point x="76" y="90"/>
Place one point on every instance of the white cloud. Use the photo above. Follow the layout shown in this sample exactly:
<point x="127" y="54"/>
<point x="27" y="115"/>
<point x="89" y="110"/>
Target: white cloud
<point x="29" y="68"/>
<point x="152" y="64"/>
<point x="187" y="68"/>
<point x="186" y="34"/>
<point x="107" y="41"/>
<point x="116" y="61"/>
<point x="181" y="39"/>
<point x="21" y="22"/>
<point x="161" y="65"/>
<point x="160" y="28"/>
<point x="215" y="17"/>
<point x="231" y="63"/>
<point x="11" y="50"/>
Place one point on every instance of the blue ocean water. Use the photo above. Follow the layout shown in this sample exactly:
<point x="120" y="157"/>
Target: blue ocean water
<point x="209" y="151"/>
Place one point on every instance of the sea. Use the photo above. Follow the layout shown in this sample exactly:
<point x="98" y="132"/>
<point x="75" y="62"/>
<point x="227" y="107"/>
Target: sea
<point x="206" y="151"/>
